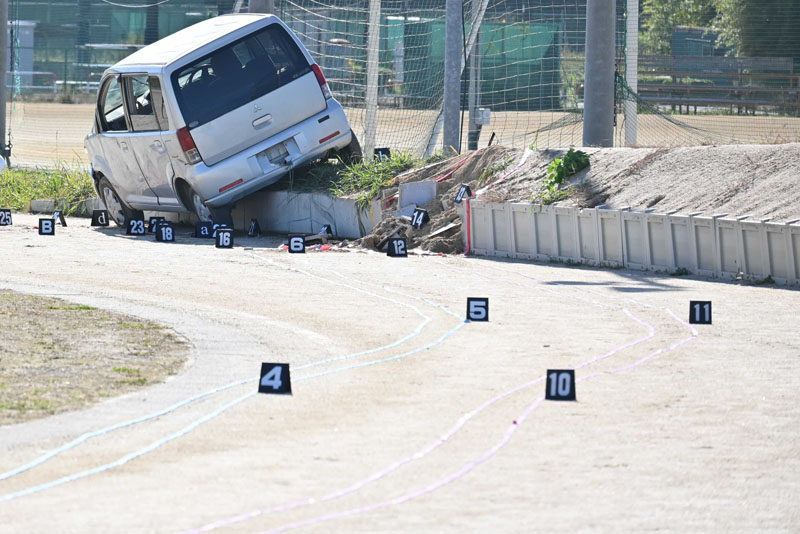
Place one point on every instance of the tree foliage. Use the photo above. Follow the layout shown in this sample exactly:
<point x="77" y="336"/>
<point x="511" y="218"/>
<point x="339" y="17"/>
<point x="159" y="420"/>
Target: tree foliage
<point x="659" y="18"/>
<point x="760" y="28"/>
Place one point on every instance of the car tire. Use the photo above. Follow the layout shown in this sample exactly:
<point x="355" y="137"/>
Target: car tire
<point x="117" y="209"/>
<point x="352" y="153"/>
<point x="196" y="205"/>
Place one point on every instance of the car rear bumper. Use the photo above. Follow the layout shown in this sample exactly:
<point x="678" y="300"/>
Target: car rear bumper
<point x="250" y="170"/>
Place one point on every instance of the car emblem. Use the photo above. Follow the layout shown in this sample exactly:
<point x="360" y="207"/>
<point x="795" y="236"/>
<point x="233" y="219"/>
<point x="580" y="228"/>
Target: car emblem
<point x="256" y="108"/>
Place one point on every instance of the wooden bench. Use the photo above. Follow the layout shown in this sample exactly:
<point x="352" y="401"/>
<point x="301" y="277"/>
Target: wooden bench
<point x="742" y="91"/>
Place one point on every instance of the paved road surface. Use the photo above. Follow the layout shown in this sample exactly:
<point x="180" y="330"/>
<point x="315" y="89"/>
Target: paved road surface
<point x="403" y="417"/>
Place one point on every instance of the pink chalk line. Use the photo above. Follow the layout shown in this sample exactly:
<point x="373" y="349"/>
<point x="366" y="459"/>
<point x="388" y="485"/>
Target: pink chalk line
<point x="422" y="453"/>
<point x="486" y="455"/>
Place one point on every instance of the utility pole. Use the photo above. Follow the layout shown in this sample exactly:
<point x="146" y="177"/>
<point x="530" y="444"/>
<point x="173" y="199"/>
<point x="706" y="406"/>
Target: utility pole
<point x="452" y="76"/>
<point x="632" y="71"/>
<point x="598" y="100"/>
<point x="262" y="6"/>
<point x="474" y="99"/>
<point x="3" y="87"/>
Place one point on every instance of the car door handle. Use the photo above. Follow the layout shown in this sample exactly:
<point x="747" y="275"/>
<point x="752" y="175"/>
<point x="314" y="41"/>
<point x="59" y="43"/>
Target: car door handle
<point x="262" y="120"/>
<point x="158" y="146"/>
<point x="124" y="146"/>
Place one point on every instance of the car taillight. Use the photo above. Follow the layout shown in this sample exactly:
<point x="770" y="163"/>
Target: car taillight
<point x="323" y="84"/>
<point x="188" y="146"/>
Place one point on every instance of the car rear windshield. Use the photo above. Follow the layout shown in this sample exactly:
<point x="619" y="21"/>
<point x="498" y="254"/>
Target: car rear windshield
<point x="237" y="74"/>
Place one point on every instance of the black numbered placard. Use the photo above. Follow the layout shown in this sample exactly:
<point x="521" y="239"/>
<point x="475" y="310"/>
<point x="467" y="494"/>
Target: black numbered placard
<point x="153" y="223"/>
<point x="463" y="192"/>
<point x="224" y="238"/>
<point x="47" y="227"/>
<point x="419" y="218"/>
<point x="255" y="228"/>
<point x="700" y="312"/>
<point x="275" y="379"/>
<point x="560" y="385"/>
<point x="326" y="230"/>
<point x="5" y="217"/>
<point x="383" y="154"/>
<point x="297" y="244"/>
<point x="100" y="218"/>
<point x="203" y="229"/>
<point x="214" y="227"/>
<point x="396" y="248"/>
<point x="165" y="232"/>
<point x="58" y="216"/>
<point x="135" y="227"/>
<point x="477" y="309"/>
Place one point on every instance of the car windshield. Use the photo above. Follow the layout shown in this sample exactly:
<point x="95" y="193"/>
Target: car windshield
<point x="237" y="74"/>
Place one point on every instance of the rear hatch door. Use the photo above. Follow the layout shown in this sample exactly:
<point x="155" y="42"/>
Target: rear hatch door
<point x="245" y="92"/>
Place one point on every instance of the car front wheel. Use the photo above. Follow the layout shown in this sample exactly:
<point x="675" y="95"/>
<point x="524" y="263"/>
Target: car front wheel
<point x="117" y="209"/>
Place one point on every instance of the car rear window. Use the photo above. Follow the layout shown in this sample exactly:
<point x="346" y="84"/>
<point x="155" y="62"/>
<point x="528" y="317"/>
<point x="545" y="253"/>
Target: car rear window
<point x="237" y="73"/>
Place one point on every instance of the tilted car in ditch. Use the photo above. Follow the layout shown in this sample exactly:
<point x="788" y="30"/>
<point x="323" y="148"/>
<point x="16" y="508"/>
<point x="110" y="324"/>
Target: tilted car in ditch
<point x="210" y="114"/>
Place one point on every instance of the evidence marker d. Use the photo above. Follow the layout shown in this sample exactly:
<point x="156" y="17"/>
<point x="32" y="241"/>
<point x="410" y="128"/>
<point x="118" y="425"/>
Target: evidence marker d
<point x="99" y="218"/>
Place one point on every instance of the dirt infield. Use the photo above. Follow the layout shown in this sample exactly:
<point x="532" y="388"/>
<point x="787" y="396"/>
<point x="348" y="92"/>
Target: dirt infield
<point x="404" y="417"/>
<point x="48" y="134"/>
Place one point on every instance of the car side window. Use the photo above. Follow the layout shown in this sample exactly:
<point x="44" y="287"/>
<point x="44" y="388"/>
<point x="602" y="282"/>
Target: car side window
<point x="142" y="104"/>
<point x="112" y="112"/>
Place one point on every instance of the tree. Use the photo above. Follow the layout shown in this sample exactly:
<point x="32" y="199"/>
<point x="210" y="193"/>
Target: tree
<point x="760" y="28"/>
<point x="659" y="18"/>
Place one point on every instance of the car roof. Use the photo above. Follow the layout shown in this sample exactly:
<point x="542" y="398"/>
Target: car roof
<point x="182" y="42"/>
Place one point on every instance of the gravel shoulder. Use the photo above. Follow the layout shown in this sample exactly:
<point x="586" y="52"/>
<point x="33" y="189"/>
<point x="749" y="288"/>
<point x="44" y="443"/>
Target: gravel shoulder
<point x="670" y="432"/>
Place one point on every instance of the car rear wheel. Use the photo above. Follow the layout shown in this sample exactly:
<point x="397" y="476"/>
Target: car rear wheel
<point x="198" y="206"/>
<point x="351" y="153"/>
<point x="117" y="209"/>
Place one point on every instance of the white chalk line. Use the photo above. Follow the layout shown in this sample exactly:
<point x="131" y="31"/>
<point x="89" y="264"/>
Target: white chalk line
<point x="425" y="451"/>
<point x="486" y="455"/>
<point x="384" y="472"/>
<point x="127" y="458"/>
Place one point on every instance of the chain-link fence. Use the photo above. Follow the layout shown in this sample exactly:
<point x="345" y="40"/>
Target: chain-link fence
<point x="708" y="71"/>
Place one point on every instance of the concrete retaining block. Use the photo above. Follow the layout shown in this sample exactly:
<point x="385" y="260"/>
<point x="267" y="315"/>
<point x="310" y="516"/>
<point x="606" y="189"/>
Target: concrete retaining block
<point x="290" y="212"/>
<point x="419" y="193"/>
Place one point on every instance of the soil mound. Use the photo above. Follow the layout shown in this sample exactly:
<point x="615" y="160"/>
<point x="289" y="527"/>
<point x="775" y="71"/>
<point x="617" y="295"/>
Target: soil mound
<point x="762" y="181"/>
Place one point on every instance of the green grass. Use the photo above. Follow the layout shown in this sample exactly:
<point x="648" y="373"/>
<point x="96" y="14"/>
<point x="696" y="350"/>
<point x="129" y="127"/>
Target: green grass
<point x="127" y="371"/>
<point x="368" y="177"/>
<point x="66" y="184"/>
<point x="76" y="307"/>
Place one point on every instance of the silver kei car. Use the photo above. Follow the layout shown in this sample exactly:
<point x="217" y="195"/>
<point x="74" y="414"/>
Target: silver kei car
<point x="210" y="114"/>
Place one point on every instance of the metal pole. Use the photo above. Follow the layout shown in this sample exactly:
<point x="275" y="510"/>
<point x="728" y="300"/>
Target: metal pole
<point x="261" y="6"/>
<point x="452" y="76"/>
<point x="598" y="103"/>
<point x="632" y="71"/>
<point x="474" y="100"/>
<point x="373" y="48"/>
<point x="3" y="86"/>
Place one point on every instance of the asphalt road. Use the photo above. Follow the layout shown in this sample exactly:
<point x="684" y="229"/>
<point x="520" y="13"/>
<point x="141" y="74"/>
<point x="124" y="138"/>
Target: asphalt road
<point x="403" y="417"/>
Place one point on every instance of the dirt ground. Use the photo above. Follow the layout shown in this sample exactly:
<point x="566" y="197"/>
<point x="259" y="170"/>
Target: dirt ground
<point x="58" y="356"/>
<point x="403" y="417"/>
